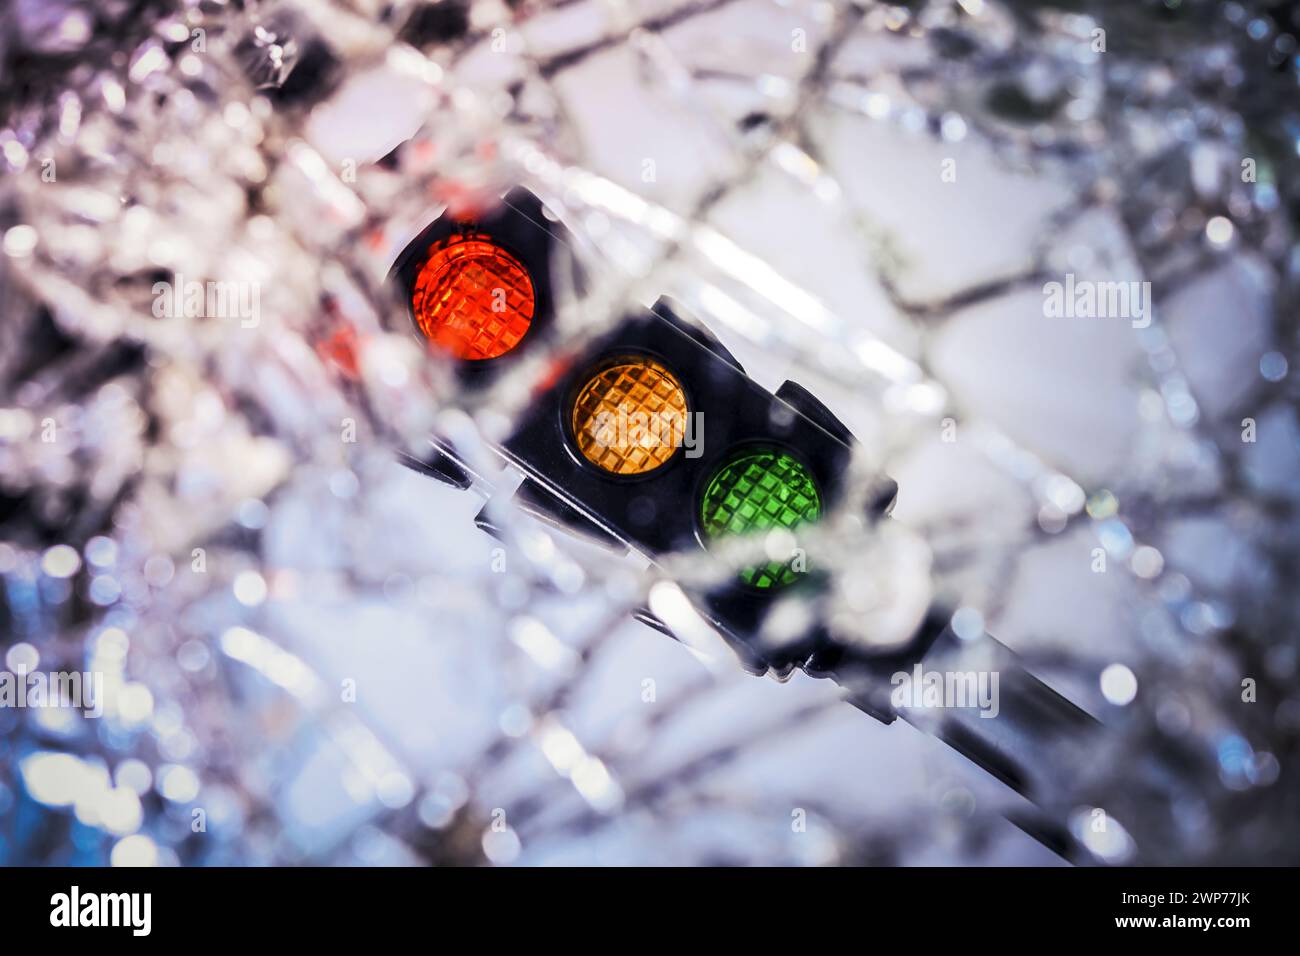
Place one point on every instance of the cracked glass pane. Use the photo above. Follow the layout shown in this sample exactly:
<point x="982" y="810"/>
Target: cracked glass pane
<point x="1037" y="257"/>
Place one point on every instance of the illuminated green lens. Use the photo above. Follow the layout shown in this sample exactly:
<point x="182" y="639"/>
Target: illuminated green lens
<point x="761" y="490"/>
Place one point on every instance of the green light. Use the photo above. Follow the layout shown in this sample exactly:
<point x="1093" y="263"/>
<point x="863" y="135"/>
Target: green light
<point x="761" y="490"/>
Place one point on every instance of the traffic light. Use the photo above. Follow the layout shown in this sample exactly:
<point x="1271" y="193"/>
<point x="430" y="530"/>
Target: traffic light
<point x="651" y="436"/>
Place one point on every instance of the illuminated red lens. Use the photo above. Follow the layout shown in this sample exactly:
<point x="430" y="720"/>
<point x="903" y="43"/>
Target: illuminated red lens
<point x="473" y="299"/>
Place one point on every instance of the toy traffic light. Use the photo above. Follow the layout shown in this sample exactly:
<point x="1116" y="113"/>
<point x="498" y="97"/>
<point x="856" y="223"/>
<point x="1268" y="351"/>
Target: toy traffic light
<point x="651" y="436"/>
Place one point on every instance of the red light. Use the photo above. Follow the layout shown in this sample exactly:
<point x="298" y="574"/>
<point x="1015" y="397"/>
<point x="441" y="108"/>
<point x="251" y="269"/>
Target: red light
<point x="473" y="299"/>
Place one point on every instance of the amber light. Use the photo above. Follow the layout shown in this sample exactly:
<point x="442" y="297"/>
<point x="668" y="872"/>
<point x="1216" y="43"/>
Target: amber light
<point x="629" y="417"/>
<point x="472" y="299"/>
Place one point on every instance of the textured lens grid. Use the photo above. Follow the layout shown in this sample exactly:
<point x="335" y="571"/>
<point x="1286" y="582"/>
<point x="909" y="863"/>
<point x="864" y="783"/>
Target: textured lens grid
<point x="628" y="419"/>
<point x="761" y="491"/>
<point x="473" y="299"/>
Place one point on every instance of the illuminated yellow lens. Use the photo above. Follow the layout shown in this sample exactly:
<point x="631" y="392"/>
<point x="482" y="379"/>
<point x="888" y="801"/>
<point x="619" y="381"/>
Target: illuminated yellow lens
<point x="630" y="417"/>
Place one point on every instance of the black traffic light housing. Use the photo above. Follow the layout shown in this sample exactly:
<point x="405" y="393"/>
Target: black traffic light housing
<point x="657" y="512"/>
